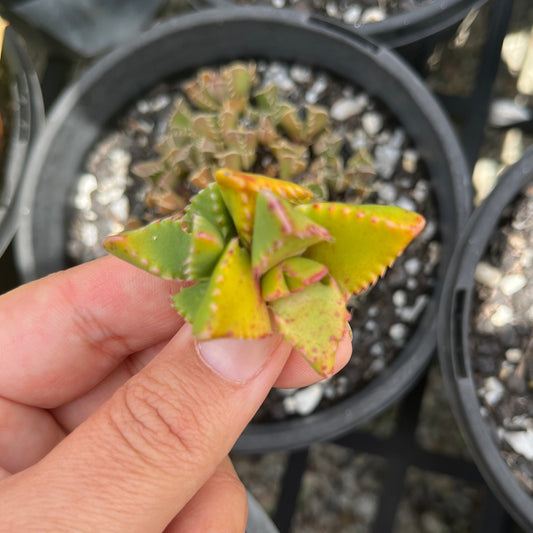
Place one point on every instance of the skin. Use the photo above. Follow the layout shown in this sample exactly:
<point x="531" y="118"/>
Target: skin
<point x="110" y="418"/>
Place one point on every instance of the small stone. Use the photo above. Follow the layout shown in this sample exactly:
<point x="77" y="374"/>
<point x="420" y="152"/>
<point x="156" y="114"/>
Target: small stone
<point x="487" y="275"/>
<point x="406" y="203"/>
<point x="160" y="101"/>
<point x="120" y="209"/>
<point x="371" y="325"/>
<point x="502" y="316"/>
<point x="345" y="108"/>
<point x="377" y="350"/>
<point x="315" y="92"/>
<point x="352" y="14"/>
<point x="143" y="107"/>
<point x="505" y="112"/>
<point x="398" y="332"/>
<point x="514" y="50"/>
<point x="512" y="283"/>
<point x="410" y="160"/>
<point x="514" y="355"/>
<point x="421" y="191"/>
<point x="506" y="371"/>
<point x="387" y="193"/>
<point x="412" y="266"/>
<point x="521" y="442"/>
<point x="411" y="284"/>
<point x="373" y="14"/>
<point x="376" y="366"/>
<point x="304" y="401"/>
<point x="385" y="160"/>
<point x="89" y="234"/>
<point x="411" y="314"/>
<point x="399" y="298"/>
<point x="492" y="391"/>
<point x="332" y="10"/>
<point x="372" y="123"/>
<point x="484" y="178"/>
<point x="513" y="146"/>
<point x="300" y="74"/>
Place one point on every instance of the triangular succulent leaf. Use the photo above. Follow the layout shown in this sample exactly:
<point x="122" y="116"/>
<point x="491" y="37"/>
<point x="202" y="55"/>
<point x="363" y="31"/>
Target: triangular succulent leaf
<point x="280" y="232"/>
<point x="207" y="245"/>
<point x="274" y="284"/>
<point x="366" y="240"/>
<point x="188" y="300"/>
<point x="301" y="272"/>
<point x="160" y="248"/>
<point x="232" y="305"/>
<point x="239" y="190"/>
<point x="209" y="204"/>
<point x="313" y="320"/>
<point x="245" y="181"/>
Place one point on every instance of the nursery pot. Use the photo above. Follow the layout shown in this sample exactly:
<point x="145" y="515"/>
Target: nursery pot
<point x="455" y="340"/>
<point x="423" y="25"/>
<point x="182" y="45"/>
<point x="23" y="114"/>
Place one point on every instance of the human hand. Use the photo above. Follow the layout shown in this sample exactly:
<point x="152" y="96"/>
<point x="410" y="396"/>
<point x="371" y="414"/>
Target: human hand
<point x="112" y="419"/>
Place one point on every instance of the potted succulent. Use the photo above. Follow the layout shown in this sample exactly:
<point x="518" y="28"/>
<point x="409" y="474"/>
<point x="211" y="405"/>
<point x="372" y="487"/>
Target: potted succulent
<point x="21" y="115"/>
<point x="484" y="338"/>
<point x="82" y="125"/>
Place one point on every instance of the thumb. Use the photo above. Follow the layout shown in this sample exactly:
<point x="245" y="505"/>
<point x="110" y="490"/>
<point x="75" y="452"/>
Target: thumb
<point x="136" y="462"/>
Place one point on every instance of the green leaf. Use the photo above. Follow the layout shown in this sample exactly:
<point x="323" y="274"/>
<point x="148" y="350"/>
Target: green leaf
<point x="274" y="285"/>
<point x="207" y="246"/>
<point x="313" y="321"/>
<point x="209" y="204"/>
<point x="366" y="240"/>
<point x="232" y="305"/>
<point x="290" y="276"/>
<point x="188" y="300"/>
<point x="239" y="190"/>
<point x="280" y="232"/>
<point x="160" y="248"/>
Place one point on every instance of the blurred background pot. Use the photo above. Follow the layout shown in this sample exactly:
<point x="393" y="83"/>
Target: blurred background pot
<point x="22" y="114"/>
<point x="177" y="48"/>
<point x="484" y="338"/>
<point x="413" y="32"/>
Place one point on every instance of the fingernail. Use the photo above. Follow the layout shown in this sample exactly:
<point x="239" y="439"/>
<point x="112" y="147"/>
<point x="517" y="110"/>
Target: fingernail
<point x="237" y="360"/>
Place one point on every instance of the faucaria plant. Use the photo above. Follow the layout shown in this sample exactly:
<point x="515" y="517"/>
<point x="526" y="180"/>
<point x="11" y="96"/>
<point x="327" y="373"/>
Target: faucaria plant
<point x="266" y="256"/>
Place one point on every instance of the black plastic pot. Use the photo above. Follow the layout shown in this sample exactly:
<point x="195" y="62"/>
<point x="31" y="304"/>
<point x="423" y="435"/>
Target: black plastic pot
<point x="26" y="115"/>
<point x="455" y="346"/>
<point x="406" y="31"/>
<point x="184" y="44"/>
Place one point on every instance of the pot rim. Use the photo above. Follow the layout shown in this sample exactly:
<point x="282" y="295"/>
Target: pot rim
<point x="426" y="113"/>
<point x="396" y="31"/>
<point x="454" y="346"/>
<point x="27" y="117"/>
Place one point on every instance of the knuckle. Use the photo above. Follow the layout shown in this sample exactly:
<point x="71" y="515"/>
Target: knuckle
<point x="155" y="426"/>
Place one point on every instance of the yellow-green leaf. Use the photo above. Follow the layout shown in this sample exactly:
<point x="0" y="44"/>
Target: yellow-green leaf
<point x="366" y="240"/>
<point x="313" y="321"/>
<point x="232" y="305"/>
<point x="160" y="248"/>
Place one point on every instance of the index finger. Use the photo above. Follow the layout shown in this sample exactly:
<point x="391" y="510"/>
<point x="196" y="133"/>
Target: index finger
<point x="61" y="335"/>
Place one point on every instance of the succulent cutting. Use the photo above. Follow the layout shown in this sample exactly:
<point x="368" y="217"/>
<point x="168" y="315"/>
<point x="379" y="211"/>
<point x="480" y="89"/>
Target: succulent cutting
<point x="266" y="256"/>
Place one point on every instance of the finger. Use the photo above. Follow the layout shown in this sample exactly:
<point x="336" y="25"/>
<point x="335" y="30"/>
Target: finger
<point x="139" y="459"/>
<point x="220" y="505"/>
<point x="61" y="335"/>
<point x="298" y="373"/>
<point x="26" y="435"/>
<point x="72" y="414"/>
